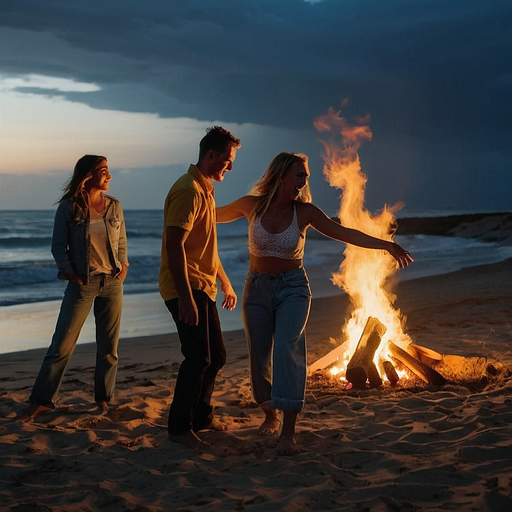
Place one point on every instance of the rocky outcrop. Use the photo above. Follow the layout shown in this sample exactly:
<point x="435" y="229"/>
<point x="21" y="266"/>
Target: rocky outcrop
<point x="488" y="227"/>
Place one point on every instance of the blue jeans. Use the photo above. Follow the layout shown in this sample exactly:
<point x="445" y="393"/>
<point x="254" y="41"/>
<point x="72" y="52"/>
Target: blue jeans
<point x="106" y="293"/>
<point x="275" y="310"/>
<point x="204" y="351"/>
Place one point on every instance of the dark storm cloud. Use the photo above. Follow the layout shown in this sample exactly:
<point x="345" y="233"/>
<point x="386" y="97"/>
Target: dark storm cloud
<point x="427" y="71"/>
<point x="271" y="62"/>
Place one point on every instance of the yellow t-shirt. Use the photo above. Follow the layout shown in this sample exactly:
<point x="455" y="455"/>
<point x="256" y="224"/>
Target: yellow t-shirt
<point x="190" y="205"/>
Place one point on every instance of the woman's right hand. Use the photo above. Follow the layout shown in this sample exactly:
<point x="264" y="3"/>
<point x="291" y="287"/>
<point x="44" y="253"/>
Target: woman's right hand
<point x="74" y="278"/>
<point x="401" y="255"/>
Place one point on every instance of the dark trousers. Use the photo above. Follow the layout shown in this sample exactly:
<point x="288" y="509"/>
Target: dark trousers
<point x="204" y="351"/>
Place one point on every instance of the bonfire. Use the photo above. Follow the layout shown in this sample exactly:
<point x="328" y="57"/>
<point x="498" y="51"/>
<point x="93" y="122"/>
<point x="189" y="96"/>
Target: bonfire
<point x="375" y="349"/>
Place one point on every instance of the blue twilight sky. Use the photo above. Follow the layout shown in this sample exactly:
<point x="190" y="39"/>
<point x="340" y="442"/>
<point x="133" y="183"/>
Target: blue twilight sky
<point x="141" y="81"/>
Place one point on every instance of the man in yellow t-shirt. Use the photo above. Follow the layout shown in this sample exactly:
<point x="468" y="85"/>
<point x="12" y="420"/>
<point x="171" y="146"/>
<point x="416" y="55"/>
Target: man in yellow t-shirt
<point x="189" y="269"/>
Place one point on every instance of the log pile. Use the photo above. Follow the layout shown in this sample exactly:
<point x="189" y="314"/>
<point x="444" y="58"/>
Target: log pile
<point x="421" y="370"/>
<point x="362" y="371"/>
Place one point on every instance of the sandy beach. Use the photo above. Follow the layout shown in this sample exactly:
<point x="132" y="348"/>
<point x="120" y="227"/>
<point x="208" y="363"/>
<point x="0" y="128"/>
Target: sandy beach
<point x="411" y="447"/>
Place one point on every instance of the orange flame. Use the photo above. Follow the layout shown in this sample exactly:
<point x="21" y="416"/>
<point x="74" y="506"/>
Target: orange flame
<point x="364" y="273"/>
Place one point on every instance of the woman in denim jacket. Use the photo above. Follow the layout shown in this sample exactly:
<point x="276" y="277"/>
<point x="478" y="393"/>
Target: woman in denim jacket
<point x="89" y="247"/>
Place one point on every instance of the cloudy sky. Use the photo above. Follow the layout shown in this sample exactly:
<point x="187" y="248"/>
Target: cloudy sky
<point x="140" y="81"/>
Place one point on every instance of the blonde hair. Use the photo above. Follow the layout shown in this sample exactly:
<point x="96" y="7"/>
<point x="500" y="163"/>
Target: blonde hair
<point x="266" y="187"/>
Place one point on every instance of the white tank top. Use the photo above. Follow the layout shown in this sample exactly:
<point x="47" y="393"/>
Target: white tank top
<point x="287" y="245"/>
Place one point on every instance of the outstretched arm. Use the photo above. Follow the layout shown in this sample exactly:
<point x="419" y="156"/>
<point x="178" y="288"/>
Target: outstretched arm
<point x="325" y="225"/>
<point x="243" y="206"/>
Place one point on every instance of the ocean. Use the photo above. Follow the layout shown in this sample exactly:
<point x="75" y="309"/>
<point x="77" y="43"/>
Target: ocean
<point x="30" y="292"/>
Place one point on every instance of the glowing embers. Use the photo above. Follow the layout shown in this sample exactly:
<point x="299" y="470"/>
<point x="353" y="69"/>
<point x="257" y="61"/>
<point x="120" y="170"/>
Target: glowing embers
<point x="373" y="361"/>
<point x="376" y="363"/>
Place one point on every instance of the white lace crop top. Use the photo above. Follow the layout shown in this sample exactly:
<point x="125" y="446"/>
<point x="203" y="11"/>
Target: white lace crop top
<point x="287" y="245"/>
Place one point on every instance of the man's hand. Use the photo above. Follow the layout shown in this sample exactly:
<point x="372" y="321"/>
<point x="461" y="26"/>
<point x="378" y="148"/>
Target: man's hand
<point x="188" y="311"/>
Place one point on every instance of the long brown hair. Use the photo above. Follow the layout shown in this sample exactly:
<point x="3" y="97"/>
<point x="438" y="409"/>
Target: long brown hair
<point x="266" y="187"/>
<point x="75" y="191"/>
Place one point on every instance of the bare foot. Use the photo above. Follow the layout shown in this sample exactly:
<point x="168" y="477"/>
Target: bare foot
<point x="28" y="414"/>
<point x="271" y="423"/>
<point x="287" y="446"/>
<point x="103" y="408"/>
<point x="190" y="440"/>
<point x="217" y="425"/>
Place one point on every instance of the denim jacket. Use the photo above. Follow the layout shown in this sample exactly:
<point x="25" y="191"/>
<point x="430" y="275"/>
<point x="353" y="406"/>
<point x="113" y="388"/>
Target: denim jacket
<point x="71" y="241"/>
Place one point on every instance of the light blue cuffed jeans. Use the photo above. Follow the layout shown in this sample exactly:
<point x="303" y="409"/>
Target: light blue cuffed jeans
<point x="106" y="294"/>
<point x="275" y="310"/>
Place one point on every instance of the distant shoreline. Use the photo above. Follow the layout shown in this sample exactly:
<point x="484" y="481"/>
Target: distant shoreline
<point x="488" y="227"/>
<point x="493" y="227"/>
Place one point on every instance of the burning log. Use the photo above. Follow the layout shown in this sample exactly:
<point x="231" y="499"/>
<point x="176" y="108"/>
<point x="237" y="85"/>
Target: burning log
<point x="424" y="372"/>
<point x="389" y="370"/>
<point x="452" y="367"/>
<point x="361" y="366"/>
<point x="362" y="371"/>
<point x="334" y="356"/>
<point x="425" y="355"/>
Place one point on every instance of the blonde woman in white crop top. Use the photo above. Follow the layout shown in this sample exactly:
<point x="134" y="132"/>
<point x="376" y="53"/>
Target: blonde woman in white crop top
<point x="276" y="298"/>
